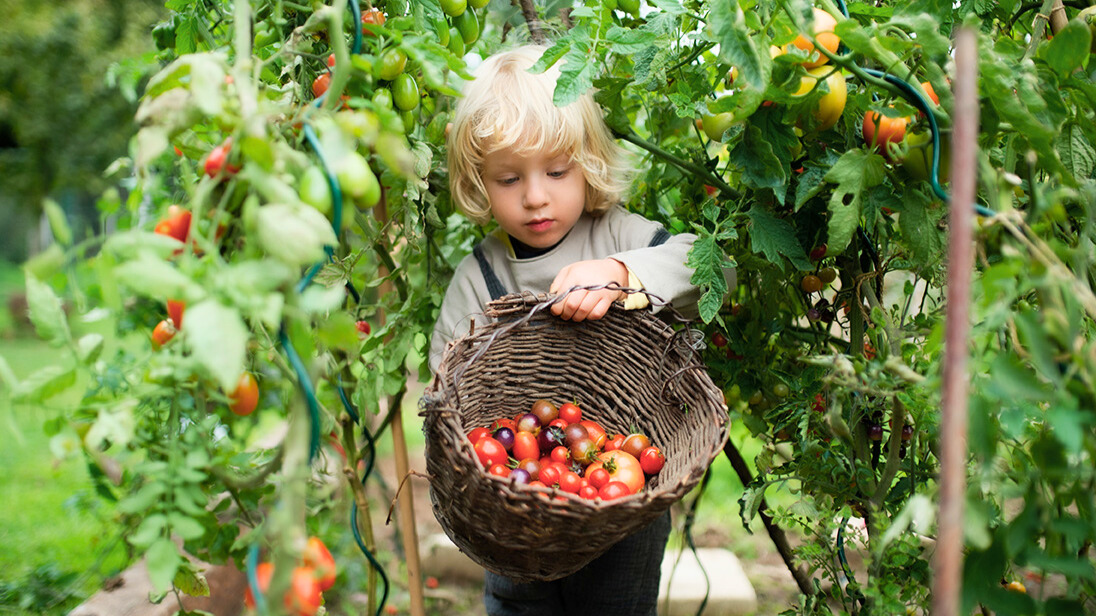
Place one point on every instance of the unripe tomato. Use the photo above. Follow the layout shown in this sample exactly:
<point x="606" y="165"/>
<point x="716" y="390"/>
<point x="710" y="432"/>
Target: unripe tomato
<point x="162" y="334"/>
<point x="468" y="26"/>
<point x="629" y="6"/>
<point x="453" y="8"/>
<point x="405" y="92"/>
<point x="716" y="124"/>
<point x="392" y="64"/>
<point x="879" y="130"/>
<point x="811" y="283"/>
<point x="827" y="275"/>
<point x="478" y="4"/>
<point x="314" y="190"/>
<point x="320" y="84"/>
<point x="918" y="159"/>
<point x="245" y="397"/>
<point x="832" y="103"/>
<point x="651" y="460"/>
<point x="490" y="452"/>
<point x="822" y="29"/>
<point x="357" y="179"/>
<point x="442" y="30"/>
<point x="319" y="559"/>
<point x="382" y="97"/>
<point x="456" y="43"/>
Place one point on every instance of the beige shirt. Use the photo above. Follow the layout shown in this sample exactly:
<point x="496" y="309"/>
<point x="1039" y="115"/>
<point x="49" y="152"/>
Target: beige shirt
<point x="617" y="234"/>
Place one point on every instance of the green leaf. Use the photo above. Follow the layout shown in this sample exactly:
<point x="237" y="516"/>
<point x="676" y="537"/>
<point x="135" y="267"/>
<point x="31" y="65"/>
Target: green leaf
<point x="218" y="338"/>
<point x="45" y="383"/>
<point x="143" y="499"/>
<point x="45" y="311"/>
<point x="576" y="77"/>
<point x="1069" y="48"/>
<point x="760" y="166"/>
<point x="163" y="561"/>
<point x="775" y="238"/>
<point x="855" y="172"/>
<point x="7" y="376"/>
<point x="190" y="581"/>
<point x="58" y="223"/>
<point x="708" y="262"/>
<point x="46" y="263"/>
<point x="737" y="45"/>
<point x="1034" y="338"/>
<point x="89" y="347"/>
<point x="157" y="279"/>
<point x="626" y="41"/>
<point x="150" y="529"/>
<point x="295" y="234"/>
<point x="1076" y="151"/>
<point x="920" y="228"/>
<point x="186" y="527"/>
<point x="1068" y="425"/>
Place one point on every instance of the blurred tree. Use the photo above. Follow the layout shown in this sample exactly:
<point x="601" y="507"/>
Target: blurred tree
<point x="65" y="113"/>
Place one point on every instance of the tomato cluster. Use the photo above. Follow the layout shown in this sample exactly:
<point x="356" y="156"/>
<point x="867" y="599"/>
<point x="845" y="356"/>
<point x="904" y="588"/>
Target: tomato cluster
<point x="556" y="448"/>
<point x="307" y="583"/>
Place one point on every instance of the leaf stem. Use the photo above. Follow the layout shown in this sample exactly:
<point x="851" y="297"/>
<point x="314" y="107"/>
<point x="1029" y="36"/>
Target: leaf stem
<point x="696" y="169"/>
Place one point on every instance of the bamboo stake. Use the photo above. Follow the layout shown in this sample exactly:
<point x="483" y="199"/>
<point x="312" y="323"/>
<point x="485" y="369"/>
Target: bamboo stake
<point x="948" y="561"/>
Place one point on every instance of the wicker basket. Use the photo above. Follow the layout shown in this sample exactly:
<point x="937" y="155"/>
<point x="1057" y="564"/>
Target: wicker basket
<point x="627" y="369"/>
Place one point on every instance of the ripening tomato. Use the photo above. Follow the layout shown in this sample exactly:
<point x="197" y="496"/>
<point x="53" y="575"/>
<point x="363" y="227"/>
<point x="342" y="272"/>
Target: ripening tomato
<point x="304" y="596"/>
<point x="651" y="460"/>
<point x="490" y="452"/>
<point x="475" y="434"/>
<point x="263" y="573"/>
<point x="321" y="84"/>
<point x="822" y="29"/>
<point x="162" y="334"/>
<point x="319" y="559"/>
<point x="392" y="64"/>
<point x="880" y="130"/>
<point x="217" y="161"/>
<point x="634" y="444"/>
<point x="175" y="309"/>
<point x="613" y="490"/>
<point x="596" y="432"/>
<point x="245" y="397"/>
<point x="371" y="17"/>
<point x="931" y="92"/>
<point x="570" y="412"/>
<point x="525" y="445"/>
<point x="176" y="224"/>
<point x="832" y="103"/>
<point x="811" y="283"/>
<point x="622" y="467"/>
<point x="614" y="442"/>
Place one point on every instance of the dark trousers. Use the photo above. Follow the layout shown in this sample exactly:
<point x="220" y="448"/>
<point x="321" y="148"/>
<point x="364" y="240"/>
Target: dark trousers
<point x="621" y="582"/>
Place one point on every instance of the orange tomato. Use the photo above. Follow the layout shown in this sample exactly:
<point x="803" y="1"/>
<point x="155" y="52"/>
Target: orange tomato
<point x="822" y="29"/>
<point x="622" y="467"/>
<point x="246" y="395"/>
<point x="162" y="333"/>
<point x="879" y="130"/>
<point x="317" y="557"/>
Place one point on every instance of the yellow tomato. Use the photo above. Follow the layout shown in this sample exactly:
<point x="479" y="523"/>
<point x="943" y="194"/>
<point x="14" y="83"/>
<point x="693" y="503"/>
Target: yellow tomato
<point x="832" y="103"/>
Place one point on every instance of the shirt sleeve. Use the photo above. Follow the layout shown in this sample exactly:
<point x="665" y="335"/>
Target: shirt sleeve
<point x="464" y="301"/>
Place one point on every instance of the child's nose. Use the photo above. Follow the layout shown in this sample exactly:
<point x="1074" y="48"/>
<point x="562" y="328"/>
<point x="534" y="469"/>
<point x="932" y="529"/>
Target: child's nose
<point x="536" y="193"/>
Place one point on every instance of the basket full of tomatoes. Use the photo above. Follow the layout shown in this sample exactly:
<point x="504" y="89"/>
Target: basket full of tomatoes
<point x="547" y="441"/>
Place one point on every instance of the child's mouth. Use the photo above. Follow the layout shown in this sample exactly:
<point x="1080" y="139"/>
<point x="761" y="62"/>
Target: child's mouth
<point x="539" y="226"/>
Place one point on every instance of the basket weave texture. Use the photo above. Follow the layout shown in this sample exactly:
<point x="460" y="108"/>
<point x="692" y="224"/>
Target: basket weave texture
<point x="627" y="369"/>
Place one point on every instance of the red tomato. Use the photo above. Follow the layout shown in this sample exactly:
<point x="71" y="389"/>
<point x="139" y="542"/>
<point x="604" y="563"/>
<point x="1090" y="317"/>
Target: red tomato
<point x="569" y="481"/>
<point x="525" y="446"/>
<point x="622" y="467"/>
<point x="263" y="573"/>
<point x="432" y="582"/>
<point x="331" y="60"/>
<point x="570" y="413"/>
<point x="217" y="161"/>
<point x="614" y="442"/>
<point x="363" y="328"/>
<point x="162" y="333"/>
<point x="475" y="434"/>
<point x="304" y="595"/>
<point x="176" y="224"/>
<point x="499" y="470"/>
<point x="549" y="475"/>
<point x="246" y="395"/>
<point x="371" y="16"/>
<point x="318" y="557"/>
<point x="596" y="432"/>
<point x="588" y="492"/>
<point x="652" y="460"/>
<point x="561" y="454"/>
<point x="505" y="422"/>
<point x="175" y="309"/>
<point x="557" y="423"/>
<point x="321" y="84"/>
<point x="613" y="490"/>
<point x="879" y="130"/>
<point x="598" y="477"/>
<point x="490" y="452"/>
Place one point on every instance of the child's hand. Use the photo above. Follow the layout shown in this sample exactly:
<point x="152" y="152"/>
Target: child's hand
<point x="581" y="305"/>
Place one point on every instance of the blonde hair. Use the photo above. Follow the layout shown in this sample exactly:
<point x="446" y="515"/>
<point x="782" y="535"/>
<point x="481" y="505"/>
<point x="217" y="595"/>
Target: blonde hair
<point x="506" y="106"/>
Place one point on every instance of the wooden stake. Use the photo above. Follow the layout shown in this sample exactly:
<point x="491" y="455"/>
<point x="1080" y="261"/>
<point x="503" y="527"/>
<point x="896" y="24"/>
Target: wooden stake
<point x="948" y="562"/>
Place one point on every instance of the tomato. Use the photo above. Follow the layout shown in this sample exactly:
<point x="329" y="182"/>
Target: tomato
<point x="822" y="29"/>
<point x="499" y="470"/>
<point x="304" y="595"/>
<point x="549" y="475"/>
<point x="584" y="451"/>
<point x="525" y="445"/>
<point x="176" y="224"/>
<point x="819" y="252"/>
<point x="930" y="92"/>
<point x="879" y="130"/>
<point x="357" y="179"/>
<point x="651" y="460"/>
<point x="557" y="423"/>
<point x="372" y="17"/>
<point x="629" y="6"/>
<point x="531" y="466"/>
<point x="478" y="4"/>
<point x="468" y="26"/>
<point x="827" y="275"/>
<point x="613" y="490"/>
<point x="490" y="452"/>
<point x="622" y="467"/>
<point x="505" y="422"/>
<point x="918" y="159"/>
<point x="363" y="328"/>
<point x="570" y="482"/>
<point x="1016" y="586"/>
<point x="318" y="557"/>
<point x="596" y="432"/>
<point x="614" y="442"/>
<point x="561" y="455"/>
<point x="634" y="444"/>
<point x="811" y="283"/>
<point x="475" y="434"/>
<point x="454" y="8"/>
<point x="320" y="84"/>
<point x="392" y="64"/>
<point x="781" y="390"/>
<point x="719" y="340"/>
<point x="175" y="309"/>
<point x="528" y="422"/>
<point x="544" y="411"/>
<point x="588" y="492"/>
<point x="263" y="573"/>
<point x="314" y="190"/>
<point x="431" y="582"/>
<point x="818" y="404"/>
<point x="832" y="102"/>
<point x="405" y="92"/>
<point x="217" y="161"/>
<point x="162" y="333"/>
<point x="456" y="43"/>
<point x="570" y="412"/>
<point x="574" y="432"/>
<point x="715" y="125"/>
<point x="245" y="397"/>
<point x="598" y="477"/>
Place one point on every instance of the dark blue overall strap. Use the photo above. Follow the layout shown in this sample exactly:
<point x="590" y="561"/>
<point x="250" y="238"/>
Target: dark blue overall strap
<point x="660" y="237"/>
<point x="494" y="285"/>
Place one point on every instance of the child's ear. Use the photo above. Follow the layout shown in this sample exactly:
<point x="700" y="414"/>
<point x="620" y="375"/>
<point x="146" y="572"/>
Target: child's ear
<point x="448" y="127"/>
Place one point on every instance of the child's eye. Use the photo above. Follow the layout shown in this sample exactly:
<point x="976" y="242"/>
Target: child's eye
<point x="558" y="174"/>
<point x="507" y="181"/>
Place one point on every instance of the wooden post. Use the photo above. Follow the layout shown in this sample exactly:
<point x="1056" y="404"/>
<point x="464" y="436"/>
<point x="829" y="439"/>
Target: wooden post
<point x="948" y="562"/>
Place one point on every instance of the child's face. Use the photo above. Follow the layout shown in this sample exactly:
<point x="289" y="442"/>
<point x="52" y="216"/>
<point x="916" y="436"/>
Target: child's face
<point x="536" y="198"/>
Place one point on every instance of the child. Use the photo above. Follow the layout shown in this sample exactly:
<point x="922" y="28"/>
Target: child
<point x="553" y="180"/>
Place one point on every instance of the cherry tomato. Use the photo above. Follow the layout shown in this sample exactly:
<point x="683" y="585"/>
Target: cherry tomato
<point x="827" y="275"/>
<point x="781" y="390"/>
<point x="357" y="179"/>
<point x="716" y="124"/>
<point x="819" y="252"/>
<point x="320" y="84"/>
<point x="557" y="423"/>
<point x="431" y="582"/>
<point x="371" y="17"/>
<point x="931" y="92"/>
<point x="318" y="557"/>
<point x="634" y="444"/>
<point x="475" y="434"/>
<point x="918" y="159"/>
<point x="525" y="445"/>
<point x="879" y="130"/>
<point x="363" y="328"/>
<point x="304" y="596"/>
<point x="598" y="477"/>
<point x="545" y="411"/>
<point x="392" y="64"/>
<point x="454" y="8"/>
<point x="588" y="492"/>
<point x="570" y="482"/>
<point x="405" y="92"/>
<point x="162" y="333"/>
<point x="528" y="422"/>
<point x="596" y="432"/>
<point x="216" y="161"/>
<point x="456" y="43"/>
<point x="263" y="573"/>
<point x="490" y="452"/>
<point x="505" y="422"/>
<point x="176" y="224"/>
<point x="561" y="455"/>
<point x="175" y="309"/>
<point x="822" y="29"/>
<point x="818" y="404"/>
<point x="614" y="442"/>
<point x="651" y="460"/>
<point x="531" y="466"/>
<point x="811" y="283"/>
<point x="574" y="432"/>
<point x="505" y="436"/>
<point x="719" y="340"/>
<point x="549" y="475"/>
<point x="613" y="490"/>
<point x="622" y="467"/>
<point x="584" y="451"/>
<point x="570" y="413"/>
<point x="499" y="470"/>
<point x="1016" y="586"/>
<point x="245" y="397"/>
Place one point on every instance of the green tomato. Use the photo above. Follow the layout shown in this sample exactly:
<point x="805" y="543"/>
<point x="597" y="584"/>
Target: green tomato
<point x="357" y="179"/>
<point x="456" y="43"/>
<point x="478" y="4"/>
<point x="716" y="124"/>
<point x="609" y="4"/>
<point x="405" y="92"/>
<point x="392" y="64"/>
<point x="468" y="26"/>
<point x="382" y="98"/>
<point x="454" y="8"/>
<point x="314" y="190"/>
<point x="442" y="28"/>
<point x="918" y="159"/>
<point x="408" y="122"/>
<point x="629" y="6"/>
